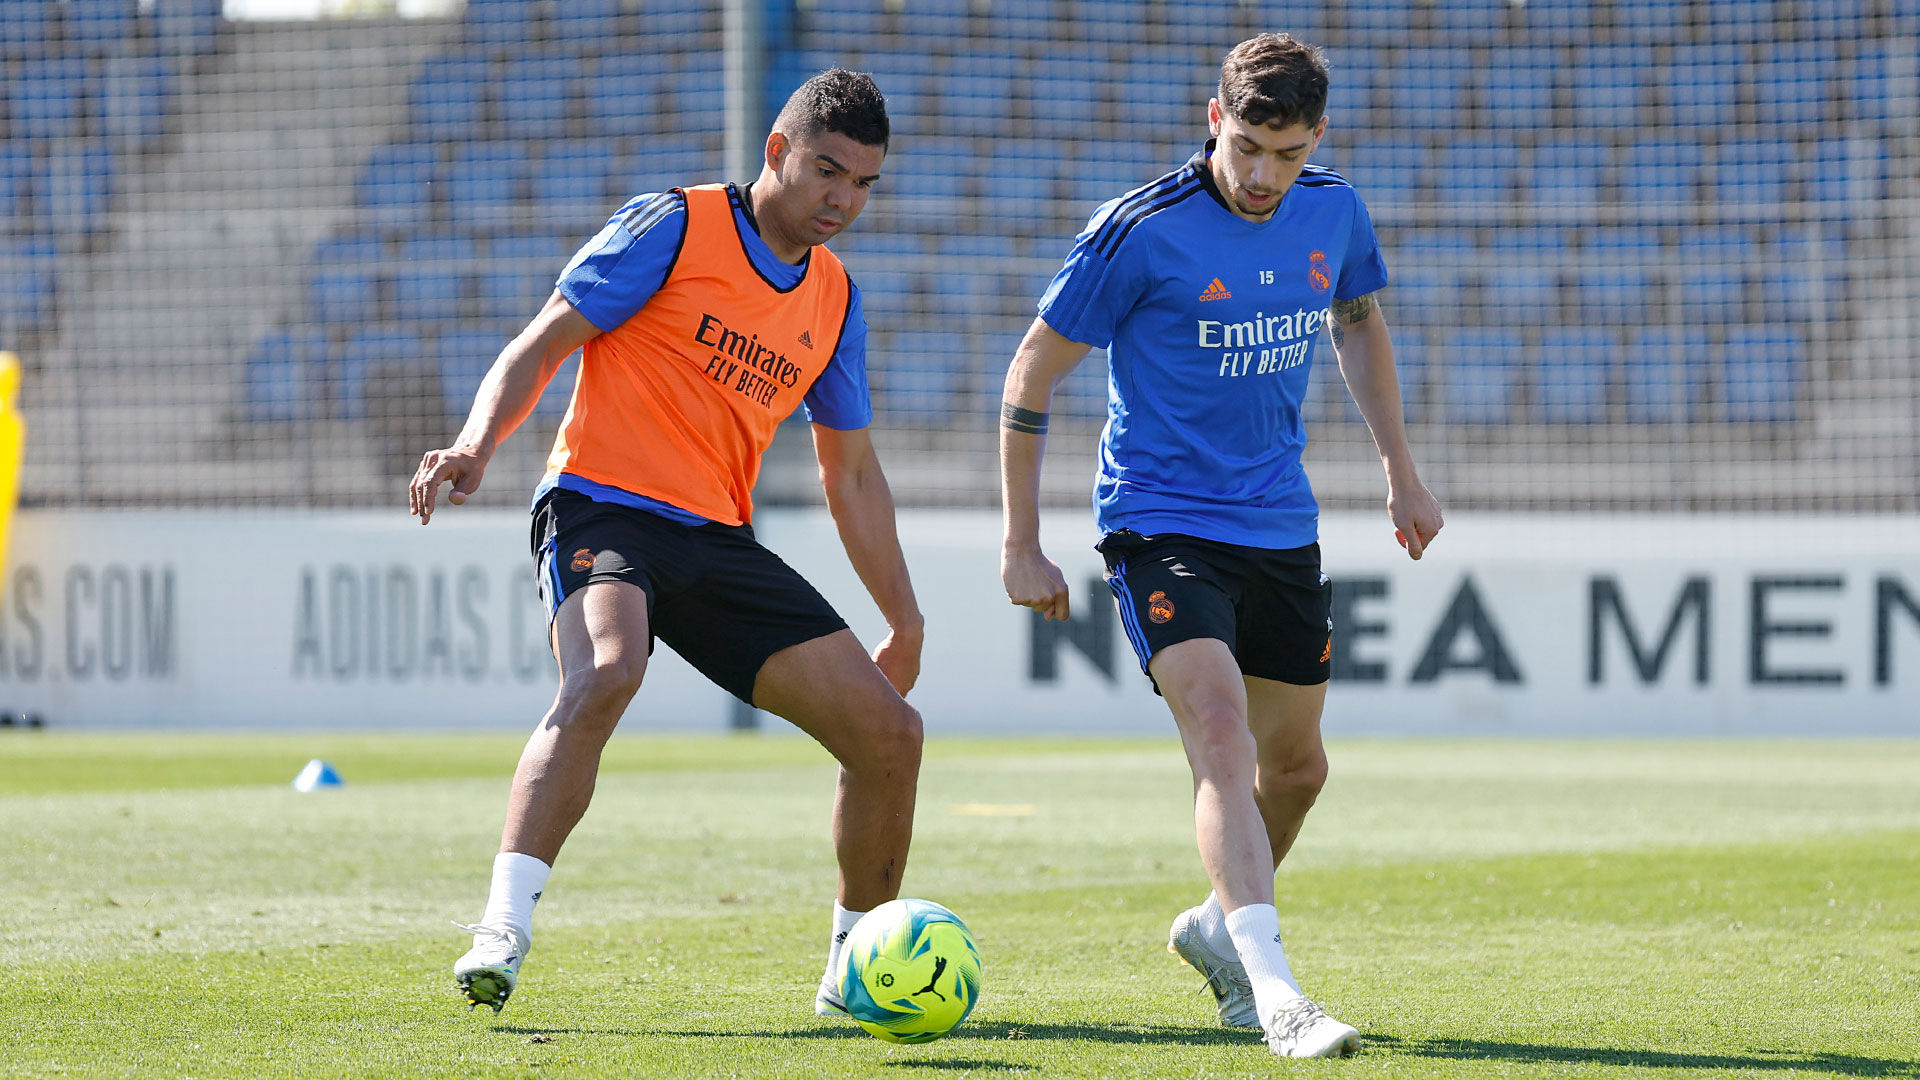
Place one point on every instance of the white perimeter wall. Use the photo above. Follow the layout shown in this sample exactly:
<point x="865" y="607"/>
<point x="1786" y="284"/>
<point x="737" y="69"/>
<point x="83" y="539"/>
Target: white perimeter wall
<point x="1513" y="625"/>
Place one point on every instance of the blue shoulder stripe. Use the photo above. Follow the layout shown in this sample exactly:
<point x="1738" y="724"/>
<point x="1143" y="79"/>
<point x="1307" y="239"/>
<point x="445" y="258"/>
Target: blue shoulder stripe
<point x="1178" y="194"/>
<point x="1314" y="175"/>
<point x="1138" y="198"/>
<point x="648" y="214"/>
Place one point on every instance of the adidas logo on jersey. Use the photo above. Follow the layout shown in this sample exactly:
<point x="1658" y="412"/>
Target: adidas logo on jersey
<point x="1216" y="291"/>
<point x="806" y="338"/>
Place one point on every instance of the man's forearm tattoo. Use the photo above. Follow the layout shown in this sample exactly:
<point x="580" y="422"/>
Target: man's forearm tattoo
<point x="1015" y="418"/>
<point x="1346" y="313"/>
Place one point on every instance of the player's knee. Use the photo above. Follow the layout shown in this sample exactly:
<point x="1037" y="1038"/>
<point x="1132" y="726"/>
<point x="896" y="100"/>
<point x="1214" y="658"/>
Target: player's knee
<point x="603" y="690"/>
<point x="1308" y="777"/>
<point x="893" y="741"/>
<point x="1220" y="737"/>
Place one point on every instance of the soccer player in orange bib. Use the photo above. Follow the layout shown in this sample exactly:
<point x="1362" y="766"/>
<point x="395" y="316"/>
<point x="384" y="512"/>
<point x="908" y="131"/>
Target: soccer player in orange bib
<point x="706" y="315"/>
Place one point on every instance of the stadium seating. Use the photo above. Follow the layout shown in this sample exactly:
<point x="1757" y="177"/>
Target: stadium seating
<point x="1570" y="189"/>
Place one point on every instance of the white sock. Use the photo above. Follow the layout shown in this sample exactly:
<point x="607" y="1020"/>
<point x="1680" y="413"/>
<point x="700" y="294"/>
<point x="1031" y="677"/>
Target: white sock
<point x="1212" y="924"/>
<point x="1256" y="933"/>
<point x="843" y="921"/>
<point x="518" y="881"/>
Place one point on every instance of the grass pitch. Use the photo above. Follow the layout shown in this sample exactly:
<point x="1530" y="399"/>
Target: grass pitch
<point x="169" y="907"/>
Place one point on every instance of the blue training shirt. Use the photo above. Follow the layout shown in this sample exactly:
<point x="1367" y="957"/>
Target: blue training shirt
<point x="614" y="275"/>
<point x="1210" y="323"/>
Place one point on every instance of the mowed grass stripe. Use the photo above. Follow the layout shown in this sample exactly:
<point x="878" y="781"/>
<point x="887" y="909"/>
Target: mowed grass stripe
<point x="1786" y="959"/>
<point x="1551" y="909"/>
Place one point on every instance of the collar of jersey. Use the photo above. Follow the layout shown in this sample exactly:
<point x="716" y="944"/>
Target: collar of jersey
<point x="783" y="276"/>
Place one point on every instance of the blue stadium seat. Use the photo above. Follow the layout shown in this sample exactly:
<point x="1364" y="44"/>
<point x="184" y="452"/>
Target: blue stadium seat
<point x="71" y="187"/>
<point x="23" y="28"/>
<point x="1426" y="88"/>
<point x="1753" y="172"/>
<point x="573" y="185"/>
<point x="1763" y="374"/>
<point x="1515" y="89"/>
<point x="979" y="96"/>
<point x="365" y="351"/>
<point x="699" y="91"/>
<point x="1569" y="174"/>
<point x="937" y="178"/>
<point x="1524" y="295"/>
<point x="1793" y="84"/>
<point x="1665" y="371"/>
<point x="1376" y="23"/>
<point x="1118" y="22"/>
<point x="666" y="161"/>
<point x="1609" y="87"/>
<point x="1482" y="375"/>
<point x="1117" y="165"/>
<point x="682" y="26"/>
<point x="1575" y="370"/>
<point x="1701" y="84"/>
<point x="1614" y="294"/>
<point x="28" y="283"/>
<point x="345" y="294"/>
<point x="280" y="376"/>
<point x="430" y="282"/>
<point x="1019" y="181"/>
<point x="1478" y="172"/>
<point x="515" y="292"/>
<point x="133" y="100"/>
<point x="1063" y="93"/>
<point x="398" y="184"/>
<point x="623" y="96"/>
<point x="48" y="99"/>
<point x="16" y="178"/>
<point x="1559" y="22"/>
<point x="451" y="94"/>
<point x="588" y="27"/>
<point x="1355" y="73"/>
<point x="1387" y="173"/>
<point x="1469" y="23"/>
<point x="914" y="374"/>
<point x="1847" y="170"/>
<point x="465" y="356"/>
<point x="1425" y="293"/>
<point x="485" y="183"/>
<point x="1662" y="178"/>
<point x="1880" y="84"/>
<point x="1650" y="22"/>
<point x="498" y="24"/>
<point x="98" y="28"/>
<point x="907" y="81"/>
<point x="1745" y="20"/>
<point x="536" y="93"/>
<point x="183" y="28"/>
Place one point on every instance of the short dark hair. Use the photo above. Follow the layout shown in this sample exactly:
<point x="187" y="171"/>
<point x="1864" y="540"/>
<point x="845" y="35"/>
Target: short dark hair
<point x="841" y="101"/>
<point x="1274" y="81"/>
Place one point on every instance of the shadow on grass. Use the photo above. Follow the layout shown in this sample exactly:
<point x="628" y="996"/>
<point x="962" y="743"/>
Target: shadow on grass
<point x="1482" y="1050"/>
<point x="1010" y="1031"/>
<point x="961" y="1065"/>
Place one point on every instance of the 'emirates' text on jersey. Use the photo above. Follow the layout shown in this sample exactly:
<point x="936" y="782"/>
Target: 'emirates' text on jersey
<point x="1210" y="321"/>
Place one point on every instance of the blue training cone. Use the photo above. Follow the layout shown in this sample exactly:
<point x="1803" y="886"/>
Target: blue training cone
<point x="318" y="774"/>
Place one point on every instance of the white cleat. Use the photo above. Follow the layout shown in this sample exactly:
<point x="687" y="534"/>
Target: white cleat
<point x="1225" y="975"/>
<point x="1301" y="1029"/>
<point x="826" y="1000"/>
<point x="489" y="970"/>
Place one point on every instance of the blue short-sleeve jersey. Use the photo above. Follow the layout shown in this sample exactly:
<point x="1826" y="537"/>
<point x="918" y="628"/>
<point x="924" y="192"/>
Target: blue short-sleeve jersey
<point x="1210" y="323"/>
<point x="614" y="275"/>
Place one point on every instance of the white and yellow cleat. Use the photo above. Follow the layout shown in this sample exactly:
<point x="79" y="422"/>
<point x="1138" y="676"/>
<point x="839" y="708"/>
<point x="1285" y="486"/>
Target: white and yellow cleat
<point x="1226" y="976"/>
<point x="488" y="972"/>
<point x="826" y="1000"/>
<point x="1301" y="1029"/>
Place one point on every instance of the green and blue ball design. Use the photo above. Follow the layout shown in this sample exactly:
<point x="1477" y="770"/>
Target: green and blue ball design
<point x="909" y="971"/>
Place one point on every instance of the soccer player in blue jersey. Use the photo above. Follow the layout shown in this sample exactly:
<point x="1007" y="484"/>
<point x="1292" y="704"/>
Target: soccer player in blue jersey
<point x="1208" y="288"/>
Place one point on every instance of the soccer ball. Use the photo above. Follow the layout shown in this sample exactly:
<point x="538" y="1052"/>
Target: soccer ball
<point x="909" y="971"/>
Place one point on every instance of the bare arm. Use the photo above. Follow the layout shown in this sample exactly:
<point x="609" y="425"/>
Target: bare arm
<point x="1043" y="359"/>
<point x="862" y="509"/>
<point x="1366" y="362"/>
<point x="505" y="399"/>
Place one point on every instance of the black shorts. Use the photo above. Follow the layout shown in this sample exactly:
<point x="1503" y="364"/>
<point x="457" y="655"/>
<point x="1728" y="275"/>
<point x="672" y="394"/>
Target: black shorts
<point x="1272" y="607"/>
<point x="714" y="595"/>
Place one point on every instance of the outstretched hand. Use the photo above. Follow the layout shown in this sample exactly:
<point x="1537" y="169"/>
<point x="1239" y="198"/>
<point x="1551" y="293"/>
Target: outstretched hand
<point x="463" y="467"/>
<point x="1416" y="518"/>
